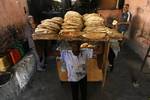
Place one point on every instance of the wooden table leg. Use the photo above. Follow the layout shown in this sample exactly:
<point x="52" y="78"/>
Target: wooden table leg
<point x="105" y="62"/>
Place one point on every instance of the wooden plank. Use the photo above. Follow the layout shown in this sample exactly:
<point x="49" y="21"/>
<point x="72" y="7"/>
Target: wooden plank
<point x="94" y="74"/>
<point x="40" y="36"/>
<point x="45" y="37"/>
<point x="105" y="62"/>
<point x="62" y="75"/>
<point x="79" y="38"/>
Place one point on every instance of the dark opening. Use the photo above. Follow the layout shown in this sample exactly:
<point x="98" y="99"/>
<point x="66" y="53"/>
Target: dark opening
<point x="121" y="3"/>
<point x="42" y="9"/>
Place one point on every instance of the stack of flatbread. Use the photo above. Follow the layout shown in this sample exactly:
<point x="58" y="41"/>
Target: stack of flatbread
<point x="49" y="26"/>
<point x="93" y="23"/>
<point x="94" y="26"/>
<point x="73" y="23"/>
<point x="114" y="34"/>
<point x="86" y="45"/>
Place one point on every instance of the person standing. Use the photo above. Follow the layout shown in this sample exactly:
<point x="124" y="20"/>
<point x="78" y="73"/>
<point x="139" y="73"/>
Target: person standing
<point x="137" y="24"/>
<point x="28" y="34"/>
<point x="75" y="61"/>
<point x="125" y="19"/>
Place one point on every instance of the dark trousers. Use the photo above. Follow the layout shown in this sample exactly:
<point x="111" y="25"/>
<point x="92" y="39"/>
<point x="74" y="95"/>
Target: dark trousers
<point x="111" y="57"/>
<point x="80" y="85"/>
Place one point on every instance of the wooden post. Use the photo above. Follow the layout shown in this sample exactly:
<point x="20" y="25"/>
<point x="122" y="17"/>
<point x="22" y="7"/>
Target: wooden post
<point x="105" y="62"/>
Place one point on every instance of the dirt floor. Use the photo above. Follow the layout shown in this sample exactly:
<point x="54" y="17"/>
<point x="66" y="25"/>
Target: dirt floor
<point x="46" y="85"/>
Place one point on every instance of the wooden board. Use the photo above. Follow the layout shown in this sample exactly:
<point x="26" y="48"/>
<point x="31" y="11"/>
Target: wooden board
<point x="62" y="75"/>
<point x="78" y="38"/>
<point x="45" y="37"/>
<point x="94" y="74"/>
<point x="60" y="37"/>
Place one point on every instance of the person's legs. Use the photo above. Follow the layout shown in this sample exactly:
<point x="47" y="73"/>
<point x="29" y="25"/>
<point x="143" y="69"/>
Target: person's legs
<point x="75" y="90"/>
<point x="135" y="76"/>
<point x="40" y="53"/>
<point x="83" y="88"/>
<point x="111" y="58"/>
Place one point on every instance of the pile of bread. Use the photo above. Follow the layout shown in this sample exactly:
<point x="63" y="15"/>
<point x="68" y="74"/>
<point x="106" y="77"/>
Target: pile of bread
<point x="50" y="26"/>
<point x="112" y="33"/>
<point x="73" y="23"/>
<point x="94" y="26"/>
<point x="90" y="26"/>
<point x="93" y="23"/>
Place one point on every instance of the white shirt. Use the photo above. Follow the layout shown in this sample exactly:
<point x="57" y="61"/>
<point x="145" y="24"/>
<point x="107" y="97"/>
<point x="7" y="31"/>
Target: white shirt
<point x="76" y="65"/>
<point x="129" y="16"/>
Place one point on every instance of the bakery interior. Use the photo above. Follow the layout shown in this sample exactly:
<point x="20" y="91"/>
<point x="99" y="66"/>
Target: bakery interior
<point x="35" y="32"/>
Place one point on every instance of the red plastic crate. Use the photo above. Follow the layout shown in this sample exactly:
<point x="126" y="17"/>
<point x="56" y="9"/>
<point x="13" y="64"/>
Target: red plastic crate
<point x="15" y="55"/>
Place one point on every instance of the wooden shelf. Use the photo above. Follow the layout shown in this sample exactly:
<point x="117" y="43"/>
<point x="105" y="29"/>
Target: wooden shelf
<point x="40" y="36"/>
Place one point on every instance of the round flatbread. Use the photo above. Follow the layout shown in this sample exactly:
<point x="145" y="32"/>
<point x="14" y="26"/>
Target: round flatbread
<point x="57" y="20"/>
<point x="70" y="30"/>
<point x="90" y="46"/>
<point x="52" y="32"/>
<point x="53" y="25"/>
<point x="94" y="36"/>
<point x="84" y="45"/>
<point x="72" y="14"/>
<point x="69" y="34"/>
<point x="72" y="24"/>
<point x="93" y="23"/>
<point x="41" y="30"/>
<point x="86" y="16"/>
<point x="73" y="20"/>
<point x="71" y="27"/>
<point x="95" y="29"/>
<point x="95" y="18"/>
<point x="47" y="27"/>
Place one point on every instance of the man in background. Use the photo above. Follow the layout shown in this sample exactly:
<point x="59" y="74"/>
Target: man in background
<point x="124" y="20"/>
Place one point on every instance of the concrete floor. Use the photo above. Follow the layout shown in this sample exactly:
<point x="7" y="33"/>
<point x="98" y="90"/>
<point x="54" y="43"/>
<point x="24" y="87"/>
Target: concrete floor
<point x="46" y="85"/>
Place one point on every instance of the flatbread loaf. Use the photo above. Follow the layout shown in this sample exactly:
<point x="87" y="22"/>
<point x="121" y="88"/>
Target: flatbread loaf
<point x="94" y="36"/>
<point x="72" y="14"/>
